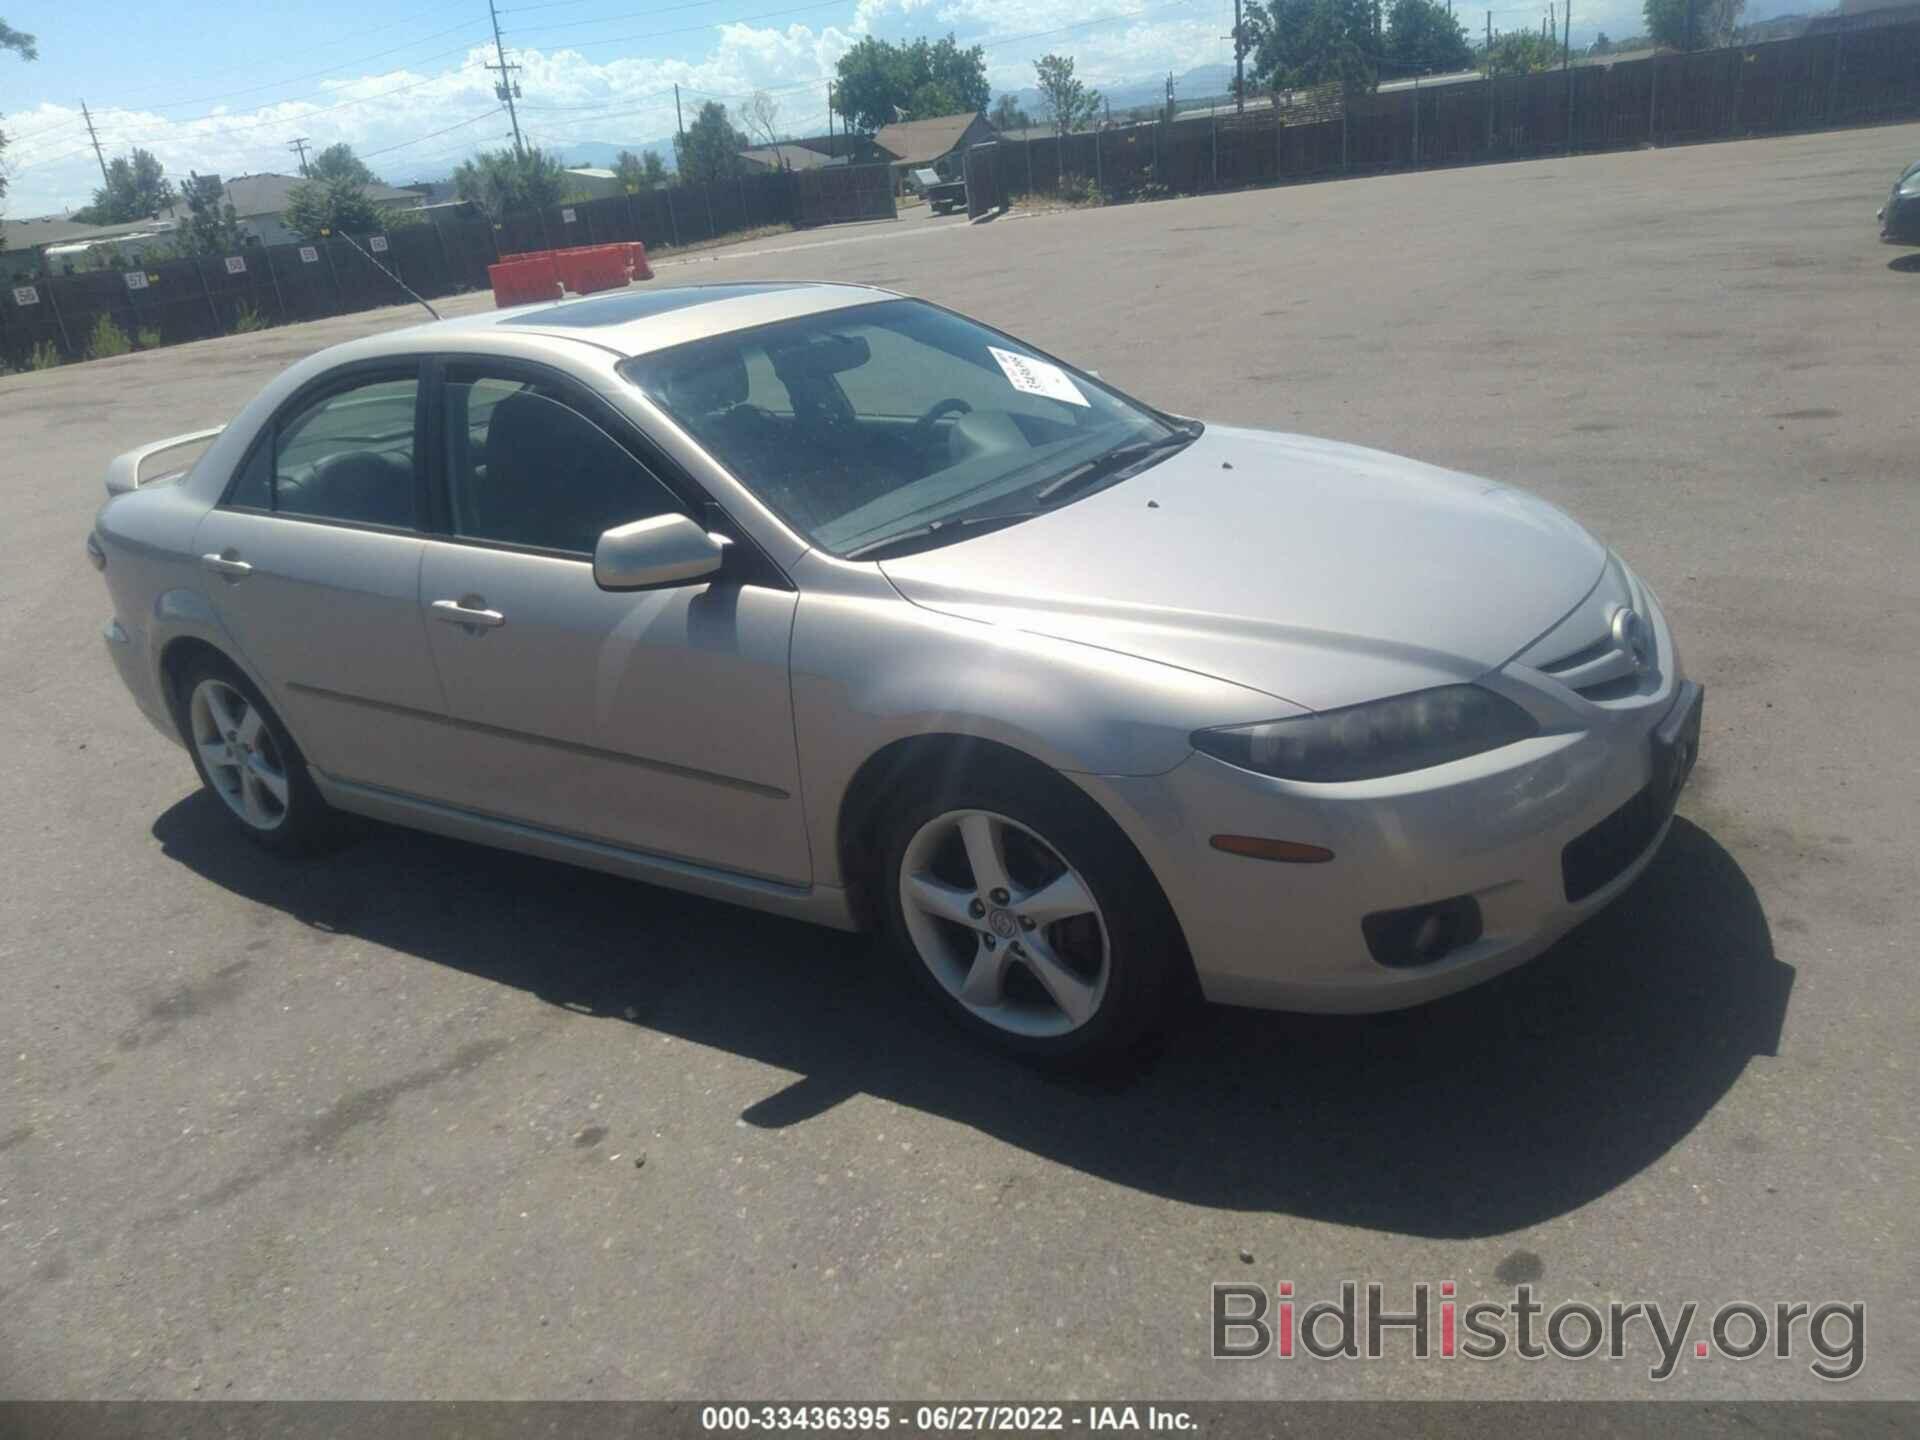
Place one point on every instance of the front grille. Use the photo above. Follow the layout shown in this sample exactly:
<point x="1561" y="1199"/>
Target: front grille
<point x="1598" y="671"/>
<point x="1593" y="860"/>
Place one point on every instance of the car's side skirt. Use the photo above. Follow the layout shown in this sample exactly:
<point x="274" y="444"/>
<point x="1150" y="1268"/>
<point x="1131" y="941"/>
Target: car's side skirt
<point x="816" y="904"/>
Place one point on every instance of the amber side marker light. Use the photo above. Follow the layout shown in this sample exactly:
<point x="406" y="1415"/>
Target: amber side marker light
<point x="1254" y="847"/>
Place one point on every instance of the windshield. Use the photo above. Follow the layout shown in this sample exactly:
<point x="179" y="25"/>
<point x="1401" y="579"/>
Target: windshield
<point x="897" y="419"/>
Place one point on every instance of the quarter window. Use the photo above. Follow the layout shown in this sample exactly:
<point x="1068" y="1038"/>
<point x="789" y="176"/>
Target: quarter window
<point x="525" y="467"/>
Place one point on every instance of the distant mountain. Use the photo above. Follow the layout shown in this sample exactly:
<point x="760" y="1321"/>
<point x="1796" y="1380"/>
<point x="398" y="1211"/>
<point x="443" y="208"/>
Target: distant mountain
<point x="600" y="155"/>
<point x="1202" y="80"/>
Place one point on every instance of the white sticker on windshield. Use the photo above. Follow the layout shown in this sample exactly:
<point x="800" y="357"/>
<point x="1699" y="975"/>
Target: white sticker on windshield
<point x="1037" y="377"/>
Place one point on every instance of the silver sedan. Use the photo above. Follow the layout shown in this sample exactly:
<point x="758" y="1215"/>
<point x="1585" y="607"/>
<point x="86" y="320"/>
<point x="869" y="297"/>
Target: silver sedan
<point x="843" y="606"/>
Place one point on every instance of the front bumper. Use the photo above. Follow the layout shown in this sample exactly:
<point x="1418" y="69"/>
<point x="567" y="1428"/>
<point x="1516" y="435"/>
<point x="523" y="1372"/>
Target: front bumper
<point x="1900" y="221"/>
<point x="1493" y="827"/>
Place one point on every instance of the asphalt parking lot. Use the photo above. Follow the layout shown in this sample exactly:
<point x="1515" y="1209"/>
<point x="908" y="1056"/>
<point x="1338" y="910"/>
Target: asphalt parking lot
<point x="371" y="1127"/>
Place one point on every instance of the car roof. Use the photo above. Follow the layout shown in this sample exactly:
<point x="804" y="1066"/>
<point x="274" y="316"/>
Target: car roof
<point x="636" y="321"/>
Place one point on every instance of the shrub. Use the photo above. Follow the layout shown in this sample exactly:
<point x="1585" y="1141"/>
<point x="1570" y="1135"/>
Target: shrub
<point x="247" y="319"/>
<point x="148" y="337"/>
<point x="45" y="356"/>
<point x="107" y="339"/>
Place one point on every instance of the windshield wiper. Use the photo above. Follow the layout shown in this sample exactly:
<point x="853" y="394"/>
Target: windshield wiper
<point x="1115" y="461"/>
<point x="905" y="542"/>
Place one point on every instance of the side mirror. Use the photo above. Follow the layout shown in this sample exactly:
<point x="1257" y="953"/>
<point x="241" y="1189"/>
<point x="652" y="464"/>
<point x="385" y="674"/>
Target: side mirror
<point x="649" y="554"/>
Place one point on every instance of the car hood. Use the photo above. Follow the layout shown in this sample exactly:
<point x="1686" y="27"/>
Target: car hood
<point x="1323" y="574"/>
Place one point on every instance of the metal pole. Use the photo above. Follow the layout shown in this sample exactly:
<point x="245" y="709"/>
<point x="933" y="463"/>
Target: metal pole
<point x="326" y="249"/>
<point x="1214" y="125"/>
<point x="673" y="219"/>
<point x="273" y="274"/>
<point x="1566" y="63"/>
<point x="1239" y="65"/>
<point x="1489" y="83"/>
<point x="1653" y="94"/>
<point x="53" y="301"/>
<point x="1099" y="171"/>
<point x="1416" y="122"/>
<point x="200" y="269"/>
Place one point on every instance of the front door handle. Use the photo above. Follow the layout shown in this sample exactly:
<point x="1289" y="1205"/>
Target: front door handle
<point x="226" y="566"/>
<point x="458" y="612"/>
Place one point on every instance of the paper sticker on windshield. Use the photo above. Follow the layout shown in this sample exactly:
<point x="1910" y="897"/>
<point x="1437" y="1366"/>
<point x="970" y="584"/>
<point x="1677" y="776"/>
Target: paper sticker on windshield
<point x="1037" y="377"/>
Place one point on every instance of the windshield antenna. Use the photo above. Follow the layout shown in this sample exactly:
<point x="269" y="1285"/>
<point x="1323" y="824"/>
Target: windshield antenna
<point x="386" y="272"/>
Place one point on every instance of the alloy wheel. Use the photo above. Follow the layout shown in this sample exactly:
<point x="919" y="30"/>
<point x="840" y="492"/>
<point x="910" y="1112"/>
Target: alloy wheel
<point x="1006" y="926"/>
<point x="237" y="749"/>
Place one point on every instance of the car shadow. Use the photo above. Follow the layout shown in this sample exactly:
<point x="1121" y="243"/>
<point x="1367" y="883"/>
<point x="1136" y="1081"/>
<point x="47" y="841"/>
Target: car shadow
<point x="1476" y="1115"/>
<point x="1906" y="264"/>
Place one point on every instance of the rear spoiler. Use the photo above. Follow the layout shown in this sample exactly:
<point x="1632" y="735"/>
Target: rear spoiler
<point x="123" y="474"/>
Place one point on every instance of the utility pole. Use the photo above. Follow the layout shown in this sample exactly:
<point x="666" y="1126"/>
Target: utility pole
<point x="680" y="126"/>
<point x="299" y="145"/>
<point x="1239" y="64"/>
<point x="508" y="89"/>
<point x="96" y="145"/>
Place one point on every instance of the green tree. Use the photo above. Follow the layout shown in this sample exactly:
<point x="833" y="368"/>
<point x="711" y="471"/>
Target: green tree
<point x="710" y="150"/>
<point x="341" y="205"/>
<point x="1066" y="101"/>
<point x="137" y="187"/>
<point x="21" y="44"/>
<point x="1009" y="114"/>
<point x="640" y="172"/>
<point x="213" y="227"/>
<point x="1714" y="22"/>
<point x="1303" y="43"/>
<point x="508" y="182"/>
<point x="338" y="162"/>
<point x="1423" y="38"/>
<point x="1601" y="45"/>
<point x="877" y="82"/>
<point x="1522" y="53"/>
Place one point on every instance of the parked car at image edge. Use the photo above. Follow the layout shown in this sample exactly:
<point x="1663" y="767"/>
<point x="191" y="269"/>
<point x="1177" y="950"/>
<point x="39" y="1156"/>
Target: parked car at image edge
<point x="1900" y="217"/>
<point x="845" y="607"/>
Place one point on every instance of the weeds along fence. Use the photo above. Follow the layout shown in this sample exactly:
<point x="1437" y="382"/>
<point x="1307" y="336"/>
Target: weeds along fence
<point x="1811" y="82"/>
<point x="171" y="301"/>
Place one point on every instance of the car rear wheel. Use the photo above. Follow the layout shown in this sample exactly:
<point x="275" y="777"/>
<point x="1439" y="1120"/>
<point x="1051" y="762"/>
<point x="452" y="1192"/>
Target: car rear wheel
<point x="1030" y="920"/>
<point x="246" y="758"/>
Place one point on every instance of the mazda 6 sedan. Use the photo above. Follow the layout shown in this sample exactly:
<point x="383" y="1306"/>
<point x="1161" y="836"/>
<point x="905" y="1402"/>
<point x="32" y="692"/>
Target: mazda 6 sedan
<point x="843" y="606"/>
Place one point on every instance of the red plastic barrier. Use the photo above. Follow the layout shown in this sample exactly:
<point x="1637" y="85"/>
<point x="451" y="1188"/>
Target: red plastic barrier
<point x="524" y="282"/>
<point x="585" y="269"/>
<point x="637" y="260"/>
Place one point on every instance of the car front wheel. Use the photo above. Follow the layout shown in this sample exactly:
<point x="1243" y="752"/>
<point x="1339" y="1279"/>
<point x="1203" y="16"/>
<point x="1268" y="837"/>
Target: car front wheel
<point x="1031" y="920"/>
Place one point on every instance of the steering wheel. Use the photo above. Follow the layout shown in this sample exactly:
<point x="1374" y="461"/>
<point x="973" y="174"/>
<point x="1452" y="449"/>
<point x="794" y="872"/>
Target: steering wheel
<point x="922" y="433"/>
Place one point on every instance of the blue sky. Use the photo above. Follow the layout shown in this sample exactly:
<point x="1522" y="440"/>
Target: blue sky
<point x="222" y="87"/>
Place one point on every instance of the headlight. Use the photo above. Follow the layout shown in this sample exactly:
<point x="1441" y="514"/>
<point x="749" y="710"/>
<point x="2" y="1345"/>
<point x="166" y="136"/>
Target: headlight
<point x="1382" y="737"/>
<point x="1909" y="189"/>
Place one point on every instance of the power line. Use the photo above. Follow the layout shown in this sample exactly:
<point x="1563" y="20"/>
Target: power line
<point x="430" y="135"/>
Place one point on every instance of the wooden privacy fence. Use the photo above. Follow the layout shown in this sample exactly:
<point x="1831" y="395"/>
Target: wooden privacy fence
<point x="171" y="301"/>
<point x="1808" y="83"/>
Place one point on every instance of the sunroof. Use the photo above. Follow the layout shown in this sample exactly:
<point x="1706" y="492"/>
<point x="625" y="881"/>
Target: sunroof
<point x="637" y="305"/>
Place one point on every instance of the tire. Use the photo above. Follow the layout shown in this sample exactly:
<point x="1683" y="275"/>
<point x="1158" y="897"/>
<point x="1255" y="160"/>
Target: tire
<point x="1098" y="982"/>
<point x="250" y="764"/>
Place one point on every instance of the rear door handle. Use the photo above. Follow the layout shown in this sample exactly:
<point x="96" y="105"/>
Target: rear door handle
<point x="456" y="613"/>
<point x="226" y="566"/>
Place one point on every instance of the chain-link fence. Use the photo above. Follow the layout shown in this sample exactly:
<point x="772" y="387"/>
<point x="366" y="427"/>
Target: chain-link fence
<point x="1810" y="82"/>
<point x="171" y="301"/>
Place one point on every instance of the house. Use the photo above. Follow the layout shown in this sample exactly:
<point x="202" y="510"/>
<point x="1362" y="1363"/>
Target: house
<point x="54" y="244"/>
<point x="762" y="159"/>
<point x="260" y="201"/>
<point x="588" y="182"/>
<point x="939" y="143"/>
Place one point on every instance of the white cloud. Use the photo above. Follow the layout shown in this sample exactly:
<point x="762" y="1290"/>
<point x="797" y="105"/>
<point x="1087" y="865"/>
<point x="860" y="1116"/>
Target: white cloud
<point x="569" y="97"/>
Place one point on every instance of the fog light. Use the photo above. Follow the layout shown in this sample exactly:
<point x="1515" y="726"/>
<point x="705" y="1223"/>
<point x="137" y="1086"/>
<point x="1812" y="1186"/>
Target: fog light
<point x="1422" y="934"/>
